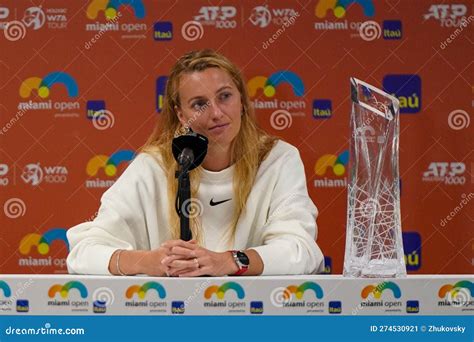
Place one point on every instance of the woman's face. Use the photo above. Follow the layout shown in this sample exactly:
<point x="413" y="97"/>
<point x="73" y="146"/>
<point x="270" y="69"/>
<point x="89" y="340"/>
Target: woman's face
<point x="210" y="105"/>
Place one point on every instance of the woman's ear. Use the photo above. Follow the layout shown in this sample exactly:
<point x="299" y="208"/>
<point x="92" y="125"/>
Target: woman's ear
<point x="180" y="115"/>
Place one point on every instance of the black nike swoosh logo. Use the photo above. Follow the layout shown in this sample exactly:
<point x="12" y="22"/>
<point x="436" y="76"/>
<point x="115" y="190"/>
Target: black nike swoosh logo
<point x="212" y="203"/>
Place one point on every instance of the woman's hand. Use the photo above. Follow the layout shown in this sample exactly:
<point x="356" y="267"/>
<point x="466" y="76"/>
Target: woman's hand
<point x="187" y="259"/>
<point x="139" y="262"/>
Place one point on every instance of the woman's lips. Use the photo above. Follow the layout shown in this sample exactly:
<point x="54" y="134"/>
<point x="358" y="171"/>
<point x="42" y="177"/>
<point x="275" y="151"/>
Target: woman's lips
<point x="218" y="128"/>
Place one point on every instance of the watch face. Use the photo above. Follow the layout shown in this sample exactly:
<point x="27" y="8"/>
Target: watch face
<point x="243" y="258"/>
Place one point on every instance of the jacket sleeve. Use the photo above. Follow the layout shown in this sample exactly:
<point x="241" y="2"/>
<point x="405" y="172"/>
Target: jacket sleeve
<point x="120" y="223"/>
<point x="289" y="234"/>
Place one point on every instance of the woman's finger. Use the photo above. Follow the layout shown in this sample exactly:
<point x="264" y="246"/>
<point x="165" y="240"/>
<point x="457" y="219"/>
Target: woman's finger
<point x="192" y="263"/>
<point x="185" y="244"/>
<point x="196" y="273"/>
<point x="184" y="252"/>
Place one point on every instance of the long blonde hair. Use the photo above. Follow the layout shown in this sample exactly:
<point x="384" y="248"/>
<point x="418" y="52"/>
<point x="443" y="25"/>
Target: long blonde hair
<point x="249" y="148"/>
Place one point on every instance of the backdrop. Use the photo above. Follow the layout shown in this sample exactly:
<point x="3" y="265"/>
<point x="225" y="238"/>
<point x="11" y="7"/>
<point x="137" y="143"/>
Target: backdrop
<point x="82" y="86"/>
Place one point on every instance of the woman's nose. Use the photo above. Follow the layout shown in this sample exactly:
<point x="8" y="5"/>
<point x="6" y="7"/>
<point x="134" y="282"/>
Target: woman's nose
<point x="214" y="110"/>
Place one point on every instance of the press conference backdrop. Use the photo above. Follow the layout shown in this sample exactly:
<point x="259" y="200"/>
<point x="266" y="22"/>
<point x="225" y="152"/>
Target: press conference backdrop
<point x="83" y="85"/>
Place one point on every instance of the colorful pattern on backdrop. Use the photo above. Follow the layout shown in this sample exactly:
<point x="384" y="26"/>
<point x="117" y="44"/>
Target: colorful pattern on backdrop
<point x="83" y="82"/>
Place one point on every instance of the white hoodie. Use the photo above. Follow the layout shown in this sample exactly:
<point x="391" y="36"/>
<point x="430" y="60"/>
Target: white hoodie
<point x="279" y="221"/>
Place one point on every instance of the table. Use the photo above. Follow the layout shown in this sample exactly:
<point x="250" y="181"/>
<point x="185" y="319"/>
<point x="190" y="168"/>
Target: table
<point x="265" y="295"/>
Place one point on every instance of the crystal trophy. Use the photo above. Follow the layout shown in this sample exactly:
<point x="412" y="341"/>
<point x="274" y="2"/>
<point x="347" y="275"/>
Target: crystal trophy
<point x="374" y="246"/>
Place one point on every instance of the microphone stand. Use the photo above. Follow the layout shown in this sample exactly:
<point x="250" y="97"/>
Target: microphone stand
<point x="183" y="197"/>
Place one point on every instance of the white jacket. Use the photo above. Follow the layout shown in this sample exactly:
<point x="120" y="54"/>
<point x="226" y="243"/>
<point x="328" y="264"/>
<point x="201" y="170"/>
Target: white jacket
<point x="279" y="221"/>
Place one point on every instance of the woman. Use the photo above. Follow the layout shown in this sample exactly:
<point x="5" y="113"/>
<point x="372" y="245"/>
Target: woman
<point x="253" y="214"/>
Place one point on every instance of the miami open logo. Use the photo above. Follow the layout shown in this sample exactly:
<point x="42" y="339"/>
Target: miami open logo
<point x="458" y="295"/>
<point x="5" y="292"/>
<point x="224" y="294"/>
<point x="269" y="84"/>
<point x="41" y="243"/>
<point x="117" y="15"/>
<point x="139" y="296"/>
<point x="339" y="7"/>
<point x="64" y="291"/>
<point x="109" y="165"/>
<point x="337" y="166"/>
<point x="373" y="294"/>
<point x="43" y="85"/>
<point x="111" y="8"/>
<point x="283" y="109"/>
<point x="306" y="295"/>
<point x="141" y="290"/>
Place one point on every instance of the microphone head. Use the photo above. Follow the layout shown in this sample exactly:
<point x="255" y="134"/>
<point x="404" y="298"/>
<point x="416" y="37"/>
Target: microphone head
<point x="194" y="141"/>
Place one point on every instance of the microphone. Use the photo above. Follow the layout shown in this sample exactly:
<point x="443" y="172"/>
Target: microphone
<point x="189" y="150"/>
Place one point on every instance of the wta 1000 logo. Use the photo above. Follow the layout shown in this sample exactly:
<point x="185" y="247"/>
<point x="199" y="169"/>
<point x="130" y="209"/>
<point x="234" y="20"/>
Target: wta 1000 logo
<point x="108" y="166"/>
<point x="43" y="88"/>
<point x="224" y="296"/>
<point x="145" y="296"/>
<point x="60" y="293"/>
<point x="42" y="245"/>
<point x="373" y="296"/>
<point x="274" y="86"/>
<point x="306" y="296"/>
<point x="458" y="295"/>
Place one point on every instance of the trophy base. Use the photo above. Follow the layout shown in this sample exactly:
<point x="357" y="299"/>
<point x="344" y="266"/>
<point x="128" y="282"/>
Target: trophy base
<point x="375" y="268"/>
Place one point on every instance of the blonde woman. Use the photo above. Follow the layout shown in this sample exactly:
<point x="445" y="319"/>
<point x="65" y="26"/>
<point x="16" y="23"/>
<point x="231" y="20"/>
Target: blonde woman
<point x="253" y="214"/>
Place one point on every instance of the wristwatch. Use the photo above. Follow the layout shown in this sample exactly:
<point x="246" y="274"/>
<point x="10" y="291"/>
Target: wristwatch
<point x="242" y="260"/>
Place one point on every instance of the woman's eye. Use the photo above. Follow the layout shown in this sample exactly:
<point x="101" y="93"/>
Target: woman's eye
<point x="224" y="96"/>
<point x="199" y="105"/>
